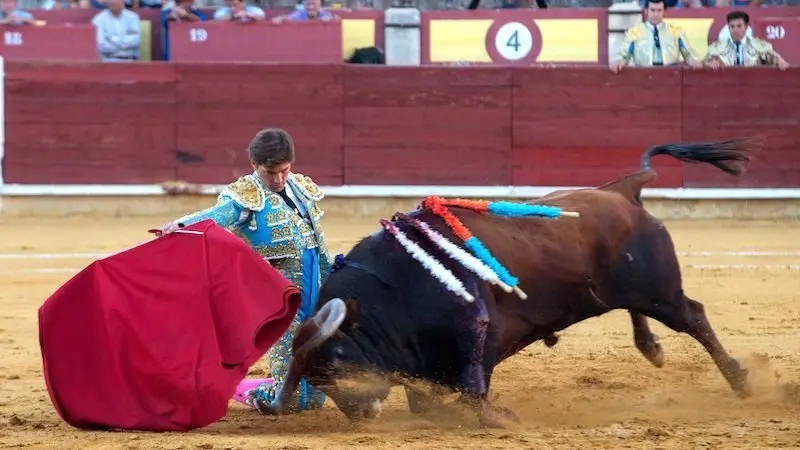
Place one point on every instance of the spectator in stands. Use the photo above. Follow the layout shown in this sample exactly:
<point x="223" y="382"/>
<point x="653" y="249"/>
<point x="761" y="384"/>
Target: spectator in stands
<point x="312" y="10"/>
<point x="742" y="50"/>
<point x="64" y="4"/>
<point x="180" y="11"/>
<point x="11" y="15"/>
<point x="239" y="10"/>
<point x="734" y="3"/>
<point x="655" y="42"/>
<point x="677" y="4"/>
<point x="119" y="35"/>
<point x="101" y="4"/>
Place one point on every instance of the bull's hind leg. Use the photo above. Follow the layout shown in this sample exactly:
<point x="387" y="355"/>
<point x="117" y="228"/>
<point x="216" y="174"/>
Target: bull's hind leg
<point x="646" y="341"/>
<point x="690" y="318"/>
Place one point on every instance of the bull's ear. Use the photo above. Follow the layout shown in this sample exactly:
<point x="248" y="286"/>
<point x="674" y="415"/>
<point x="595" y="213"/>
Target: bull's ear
<point x="352" y="313"/>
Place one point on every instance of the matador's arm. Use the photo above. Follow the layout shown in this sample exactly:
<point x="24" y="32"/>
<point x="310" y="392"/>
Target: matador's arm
<point x="686" y="49"/>
<point x="628" y="46"/>
<point x="225" y="213"/>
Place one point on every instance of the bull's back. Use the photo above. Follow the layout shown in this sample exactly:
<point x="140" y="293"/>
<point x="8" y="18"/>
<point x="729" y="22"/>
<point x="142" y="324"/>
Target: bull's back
<point x="619" y="239"/>
<point x="604" y="216"/>
<point x="566" y="248"/>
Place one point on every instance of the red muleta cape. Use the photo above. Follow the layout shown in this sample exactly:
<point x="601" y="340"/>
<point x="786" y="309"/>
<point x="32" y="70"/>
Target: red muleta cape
<point x="157" y="337"/>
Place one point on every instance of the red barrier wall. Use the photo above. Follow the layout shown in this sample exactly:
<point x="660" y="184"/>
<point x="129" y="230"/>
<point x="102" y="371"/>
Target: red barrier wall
<point x="148" y="123"/>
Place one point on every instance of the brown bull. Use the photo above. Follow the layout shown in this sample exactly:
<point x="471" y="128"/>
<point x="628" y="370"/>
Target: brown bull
<point x="396" y="322"/>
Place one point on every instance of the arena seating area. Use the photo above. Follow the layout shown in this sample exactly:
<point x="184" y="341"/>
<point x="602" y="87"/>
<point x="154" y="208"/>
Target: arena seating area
<point x="66" y="33"/>
<point x="424" y="5"/>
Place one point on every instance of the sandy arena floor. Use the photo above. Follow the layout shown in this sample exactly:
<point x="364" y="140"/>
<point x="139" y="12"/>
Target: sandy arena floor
<point x="593" y="390"/>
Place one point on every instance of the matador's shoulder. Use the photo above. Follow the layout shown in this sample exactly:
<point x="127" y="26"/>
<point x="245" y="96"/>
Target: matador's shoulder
<point x="674" y="29"/>
<point x="635" y="32"/>
<point x="716" y="47"/>
<point x="307" y="186"/>
<point x="247" y="192"/>
<point x="761" y="45"/>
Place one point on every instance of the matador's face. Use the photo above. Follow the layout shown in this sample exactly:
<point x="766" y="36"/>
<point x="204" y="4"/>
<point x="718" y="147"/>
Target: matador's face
<point x="655" y="13"/>
<point x="738" y="28"/>
<point x="274" y="177"/>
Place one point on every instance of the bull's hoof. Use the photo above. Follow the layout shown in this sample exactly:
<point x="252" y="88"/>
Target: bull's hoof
<point x="489" y="418"/>
<point x="421" y="402"/>
<point x="507" y="413"/>
<point x="741" y="384"/>
<point x="492" y="416"/>
<point x="651" y="350"/>
<point x="656" y="356"/>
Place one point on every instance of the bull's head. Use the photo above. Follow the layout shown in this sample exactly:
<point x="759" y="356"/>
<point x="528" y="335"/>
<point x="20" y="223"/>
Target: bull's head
<point x="332" y="362"/>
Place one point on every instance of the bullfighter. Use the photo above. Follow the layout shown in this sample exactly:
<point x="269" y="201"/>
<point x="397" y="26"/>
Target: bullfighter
<point x="275" y="211"/>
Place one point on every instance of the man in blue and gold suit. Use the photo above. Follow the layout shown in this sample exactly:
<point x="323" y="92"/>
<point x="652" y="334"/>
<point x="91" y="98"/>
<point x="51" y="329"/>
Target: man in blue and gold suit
<point x="275" y="211"/>
<point x="655" y="42"/>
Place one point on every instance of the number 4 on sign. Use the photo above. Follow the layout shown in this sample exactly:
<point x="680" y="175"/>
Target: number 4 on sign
<point x="513" y="41"/>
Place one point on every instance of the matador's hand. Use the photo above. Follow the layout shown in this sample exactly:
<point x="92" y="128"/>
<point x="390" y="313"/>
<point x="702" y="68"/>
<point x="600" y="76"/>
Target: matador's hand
<point x="167" y="228"/>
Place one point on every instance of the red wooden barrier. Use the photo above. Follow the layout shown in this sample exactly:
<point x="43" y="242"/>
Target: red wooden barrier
<point x="101" y="123"/>
<point x="306" y="101"/>
<point x="739" y="103"/>
<point x="146" y="123"/>
<point x="401" y="124"/>
<point x="264" y="41"/>
<point x="53" y="42"/>
<point x="560" y="114"/>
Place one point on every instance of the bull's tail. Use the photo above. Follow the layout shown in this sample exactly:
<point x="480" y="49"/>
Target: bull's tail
<point x="729" y="156"/>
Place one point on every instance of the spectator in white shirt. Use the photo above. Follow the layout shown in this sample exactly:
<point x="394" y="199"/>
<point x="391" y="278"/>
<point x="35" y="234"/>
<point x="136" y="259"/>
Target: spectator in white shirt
<point x="11" y="15"/>
<point x="118" y="32"/>
<point x="239" y="10"/>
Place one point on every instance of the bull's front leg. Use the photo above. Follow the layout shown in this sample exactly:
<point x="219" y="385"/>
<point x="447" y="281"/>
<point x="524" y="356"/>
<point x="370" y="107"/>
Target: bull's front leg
<point x="420" y="402"/>
<point x="477" y="374"/>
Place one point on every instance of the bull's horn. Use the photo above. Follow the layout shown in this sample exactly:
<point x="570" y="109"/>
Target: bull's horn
<point x="327" y="319"/>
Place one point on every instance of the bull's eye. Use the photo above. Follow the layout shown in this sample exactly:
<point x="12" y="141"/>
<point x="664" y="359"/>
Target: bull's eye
<point x="339" y="352"/>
